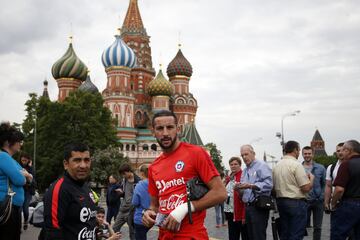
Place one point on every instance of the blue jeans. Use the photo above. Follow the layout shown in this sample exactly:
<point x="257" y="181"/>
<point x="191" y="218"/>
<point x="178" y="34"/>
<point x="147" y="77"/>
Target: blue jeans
<point x="256" y="222"/>
<point x="26" y="203"/>
<point x="316" y="207"/>
<point x="140" y="232"/>
<point x="345" y="218"/>
<point x="111" y="213"/>
<point x="220" y="215"/>
<point x="293" y="218"/>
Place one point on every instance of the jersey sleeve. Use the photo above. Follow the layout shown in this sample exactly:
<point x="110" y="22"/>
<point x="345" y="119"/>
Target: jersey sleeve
<point x="205" y="166"/>
<point x="342" y="176"/>
<point x="300" y="176"/>
<point x="153" y="191"/>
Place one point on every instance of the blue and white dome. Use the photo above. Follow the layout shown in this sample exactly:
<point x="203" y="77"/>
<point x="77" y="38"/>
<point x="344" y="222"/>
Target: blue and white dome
<point x="119" y="54"/>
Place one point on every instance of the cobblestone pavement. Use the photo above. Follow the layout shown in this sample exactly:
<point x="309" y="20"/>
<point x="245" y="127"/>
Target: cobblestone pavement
<point x="214" y="233"/>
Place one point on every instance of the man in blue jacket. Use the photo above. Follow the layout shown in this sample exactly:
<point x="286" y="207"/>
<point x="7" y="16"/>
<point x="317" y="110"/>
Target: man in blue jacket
<point x="316" y="195"/>
<point x="113" y="194"/>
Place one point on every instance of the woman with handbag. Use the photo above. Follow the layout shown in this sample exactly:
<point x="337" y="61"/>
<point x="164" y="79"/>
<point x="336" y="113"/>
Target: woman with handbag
<point x="12" y="176"/>
<point x="234" y="208"/>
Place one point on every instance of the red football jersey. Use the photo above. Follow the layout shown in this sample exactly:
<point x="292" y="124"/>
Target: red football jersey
<point x="168" y="175"/>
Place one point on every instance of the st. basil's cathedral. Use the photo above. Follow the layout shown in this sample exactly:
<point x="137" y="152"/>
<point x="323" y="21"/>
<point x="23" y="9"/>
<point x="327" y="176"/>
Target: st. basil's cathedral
<point x="133" y="93"/>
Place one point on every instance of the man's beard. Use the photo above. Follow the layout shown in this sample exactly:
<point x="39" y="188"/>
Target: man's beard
<point x="173" y="141"/>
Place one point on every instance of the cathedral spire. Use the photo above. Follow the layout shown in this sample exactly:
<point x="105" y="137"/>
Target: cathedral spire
<point x="45" y="91"/>
<point x="133" y="22"/>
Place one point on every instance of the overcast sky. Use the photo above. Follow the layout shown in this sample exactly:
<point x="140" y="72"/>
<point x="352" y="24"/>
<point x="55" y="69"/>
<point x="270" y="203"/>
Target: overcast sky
<point x="253" y="61"/>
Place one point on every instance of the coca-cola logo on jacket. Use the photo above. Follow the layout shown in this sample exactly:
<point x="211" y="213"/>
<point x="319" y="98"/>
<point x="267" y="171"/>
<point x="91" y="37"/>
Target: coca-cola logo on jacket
<point x="87" y="234"/>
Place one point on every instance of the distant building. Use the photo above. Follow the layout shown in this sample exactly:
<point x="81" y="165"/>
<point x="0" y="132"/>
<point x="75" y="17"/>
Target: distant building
<point x="133" y="93"/>
<point x="318" y="144"/>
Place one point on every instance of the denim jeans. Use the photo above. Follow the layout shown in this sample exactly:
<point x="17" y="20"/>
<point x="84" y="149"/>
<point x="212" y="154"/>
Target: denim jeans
<point x="220" y="215"/>
<point x="293" y="218"/>
<point x="316" y="207"/>
<point x="345" y="218"/>
<point x="25" y="208"/>
<point x="140" y="232"/>
<point x="256" y="222"/>
<point x="111" y="213"/>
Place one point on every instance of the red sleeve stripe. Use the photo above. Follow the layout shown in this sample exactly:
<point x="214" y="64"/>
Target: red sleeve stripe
<point x="55" y="203"/>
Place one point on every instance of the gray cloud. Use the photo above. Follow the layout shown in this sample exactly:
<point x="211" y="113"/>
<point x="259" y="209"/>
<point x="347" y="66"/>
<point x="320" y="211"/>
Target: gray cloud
<point x="253" y="61"/>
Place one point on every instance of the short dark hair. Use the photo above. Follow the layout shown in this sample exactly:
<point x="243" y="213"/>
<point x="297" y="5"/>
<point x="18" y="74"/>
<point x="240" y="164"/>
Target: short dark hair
<point x="125" y="167"/>
<point x="144" y="169"/>
<point x="9" y="134"/>
<point x="25" y="155"/>
<point x="291" y="146"/>
<point x="115" y="176"/>
<point x="74" y="147"/>
<point x="307" y="148"/>
<point x="340" y="144"/>
<point x="100" y="210"/>
<point x="235" y="159"/>
<point x="163" y="113"/>
<point x="353" y="145"/>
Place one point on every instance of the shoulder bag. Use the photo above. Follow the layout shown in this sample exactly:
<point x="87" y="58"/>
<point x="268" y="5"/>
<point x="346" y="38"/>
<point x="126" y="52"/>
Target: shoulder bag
<point x="195" y="189"/>
<point x="6" y="206"/>
<point x="265" y="202"/>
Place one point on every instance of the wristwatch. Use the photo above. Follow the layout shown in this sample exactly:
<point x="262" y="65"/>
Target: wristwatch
<point x="143" y="211"/>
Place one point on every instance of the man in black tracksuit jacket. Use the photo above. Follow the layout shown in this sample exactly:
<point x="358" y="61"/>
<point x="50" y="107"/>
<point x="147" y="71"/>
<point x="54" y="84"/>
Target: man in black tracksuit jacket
<point x="69" y="210"/>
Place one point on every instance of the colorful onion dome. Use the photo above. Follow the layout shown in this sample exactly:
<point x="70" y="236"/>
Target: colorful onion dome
<point x="69" y="66"/>
<point x="88" y="86"/>
<point x="179" y="66"/>
<point x="160" y="86"/>
<point x="119" y="54"/>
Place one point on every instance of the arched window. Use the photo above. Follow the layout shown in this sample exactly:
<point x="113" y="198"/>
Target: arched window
<point x="138" y="116"/>
<point x="133" y="148"/>
<point x="153" y="147"/>
<point x="127" y="147"/>
<point x="145" y="147"/>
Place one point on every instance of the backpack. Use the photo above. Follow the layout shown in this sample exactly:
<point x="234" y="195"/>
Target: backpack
<point x="332" y="171"/>
<point x="37" y="218"/>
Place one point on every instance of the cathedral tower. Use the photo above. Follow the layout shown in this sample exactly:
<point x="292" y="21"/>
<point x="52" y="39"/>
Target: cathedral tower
<point x="134" y="35"/>
<point x="69" y="72"/>
<point x="318" y="144"/>
<point x="184" y="105"/>
<point x="161" y="90"/>
<point x="118" y="60"/>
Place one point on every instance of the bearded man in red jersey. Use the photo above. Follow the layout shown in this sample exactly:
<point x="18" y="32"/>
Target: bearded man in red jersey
<point x="168" y="175"/>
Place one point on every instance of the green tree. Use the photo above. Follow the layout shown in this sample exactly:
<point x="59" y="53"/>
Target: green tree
<point x="325" y="160"/>
<point x="82" y="117"/>
<point x="215" y="156"/>
<point x="105" y="163"/>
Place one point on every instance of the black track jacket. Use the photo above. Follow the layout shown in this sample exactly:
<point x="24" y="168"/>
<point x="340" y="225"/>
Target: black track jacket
<point x="69" y="211"/>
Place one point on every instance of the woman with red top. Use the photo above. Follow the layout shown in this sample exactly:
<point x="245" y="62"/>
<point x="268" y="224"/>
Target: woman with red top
<point x="234" y="208"/>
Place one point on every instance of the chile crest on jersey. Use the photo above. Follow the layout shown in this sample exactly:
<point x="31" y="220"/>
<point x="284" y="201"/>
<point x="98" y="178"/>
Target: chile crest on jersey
<point x="179" y="166"/>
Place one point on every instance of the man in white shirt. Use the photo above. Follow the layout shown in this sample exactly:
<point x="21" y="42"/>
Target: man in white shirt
<point x="331" y="173"/>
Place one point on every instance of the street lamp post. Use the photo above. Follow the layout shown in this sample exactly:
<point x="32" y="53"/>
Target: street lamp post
<point x="34" y="157"/>
<point x="294" y="113"/>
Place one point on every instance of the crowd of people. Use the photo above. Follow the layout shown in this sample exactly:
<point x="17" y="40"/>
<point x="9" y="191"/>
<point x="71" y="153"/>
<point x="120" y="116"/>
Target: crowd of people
<point x="158" y="194"/>
<point x="297" y="191"/>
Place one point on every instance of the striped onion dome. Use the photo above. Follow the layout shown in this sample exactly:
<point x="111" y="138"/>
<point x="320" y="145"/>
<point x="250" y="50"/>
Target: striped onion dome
<point x="179" y="66"/>
<point x="160" y="86"/>
<point x="119" y="54"/>
<point x="69" y="66"/>
<point x="88" y="86"/>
